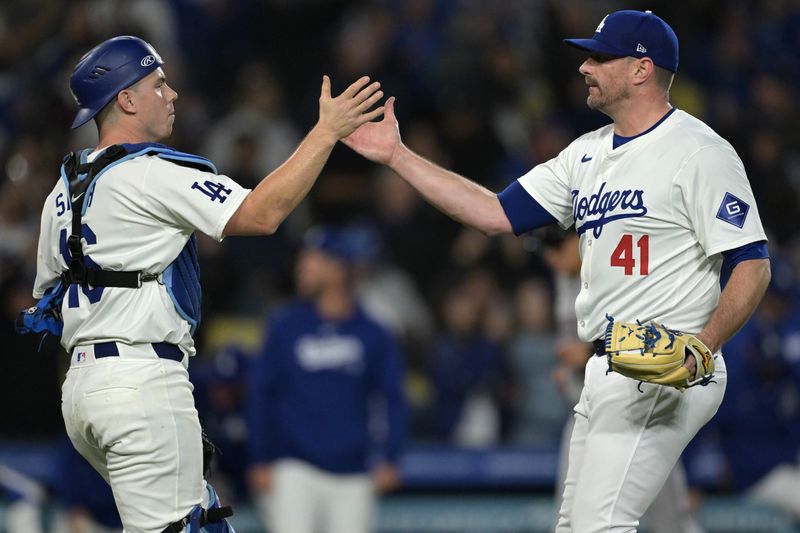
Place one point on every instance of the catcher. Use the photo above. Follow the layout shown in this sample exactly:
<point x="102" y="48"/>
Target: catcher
<point x="118" y="276"/>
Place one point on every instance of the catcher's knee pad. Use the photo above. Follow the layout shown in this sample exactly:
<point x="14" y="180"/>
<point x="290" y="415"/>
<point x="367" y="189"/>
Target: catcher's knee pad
<point x="209" y="520"/>
<point x="198" y="524"/>
<point x="216" y="508"/>
<point x="206" y="521"/>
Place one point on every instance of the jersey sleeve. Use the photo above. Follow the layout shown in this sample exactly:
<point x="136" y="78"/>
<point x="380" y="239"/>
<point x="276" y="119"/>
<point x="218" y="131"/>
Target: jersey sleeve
<point x="262" y="398"/>
<point x="48" y="267"/>
<point x="390" y="384"/>
<point x="522" y="210"/>
<point x="548" y="184"/>
<point x="717" y="201"/>
<point x="191" y="198"/>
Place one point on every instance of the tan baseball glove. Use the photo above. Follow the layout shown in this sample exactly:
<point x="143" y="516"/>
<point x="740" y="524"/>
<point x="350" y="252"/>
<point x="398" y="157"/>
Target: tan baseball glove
<point x="654" y="353"/>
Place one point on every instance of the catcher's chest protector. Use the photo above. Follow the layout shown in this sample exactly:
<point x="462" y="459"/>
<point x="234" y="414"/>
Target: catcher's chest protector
<point x="181" y="277"/>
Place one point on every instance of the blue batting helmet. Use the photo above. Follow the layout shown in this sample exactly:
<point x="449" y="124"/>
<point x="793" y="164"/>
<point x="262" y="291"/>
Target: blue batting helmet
<point x="107" y="69"/>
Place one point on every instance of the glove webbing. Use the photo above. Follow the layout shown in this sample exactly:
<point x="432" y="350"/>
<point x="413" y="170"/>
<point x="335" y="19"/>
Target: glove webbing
<point x="650" y="338"/>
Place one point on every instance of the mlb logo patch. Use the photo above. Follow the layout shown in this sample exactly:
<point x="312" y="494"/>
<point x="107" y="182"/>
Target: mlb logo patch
<point x="733" y="210"/>
<point x="81" y="356"/>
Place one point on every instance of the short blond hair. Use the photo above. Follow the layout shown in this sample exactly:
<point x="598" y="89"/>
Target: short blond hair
<point x="102" y="115"/>
<point x="664" y="79"/>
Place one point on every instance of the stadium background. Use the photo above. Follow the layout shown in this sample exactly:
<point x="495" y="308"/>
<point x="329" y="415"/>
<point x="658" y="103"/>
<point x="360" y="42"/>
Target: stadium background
<point x="483" y="87"/>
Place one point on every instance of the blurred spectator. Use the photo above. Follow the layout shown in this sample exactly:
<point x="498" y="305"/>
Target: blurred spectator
<point x="761" y="410"/>
<point x="401" y="217"/>
<point x="26" y="497"/>
<point x="34" y="475"/>
<point x="31" y="388"/>
<point x="419" y="40"/>
<point x="326" y="380"/>
<point x="561" y="252"/>
<point x="389" y="295"/>
<point x="220" y="382"/>
<point x="86" y="497"/>
<point x="251" y="140"/>
<point x="467" y="367"/>
<point x="539" y="418"/>
<point x="256" y="136"/>
<point x="503" y="256"/>
<point x="218" y="33"/>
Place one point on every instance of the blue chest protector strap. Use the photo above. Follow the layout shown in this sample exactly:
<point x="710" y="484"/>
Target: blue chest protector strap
<point x="182" y="277"/>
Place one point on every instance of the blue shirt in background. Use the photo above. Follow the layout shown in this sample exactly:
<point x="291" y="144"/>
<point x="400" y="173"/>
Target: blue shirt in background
<point x="313" y="386"/>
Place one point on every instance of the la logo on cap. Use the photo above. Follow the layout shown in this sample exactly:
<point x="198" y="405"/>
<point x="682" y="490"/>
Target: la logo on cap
<point x="631" y="33"/>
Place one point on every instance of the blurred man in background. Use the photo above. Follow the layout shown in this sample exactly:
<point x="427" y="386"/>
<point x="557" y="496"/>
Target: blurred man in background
<point x="325" y="368"/>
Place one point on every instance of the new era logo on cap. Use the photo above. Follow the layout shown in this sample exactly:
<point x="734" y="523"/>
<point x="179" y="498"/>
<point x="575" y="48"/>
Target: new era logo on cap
<point x="635" y="34"/>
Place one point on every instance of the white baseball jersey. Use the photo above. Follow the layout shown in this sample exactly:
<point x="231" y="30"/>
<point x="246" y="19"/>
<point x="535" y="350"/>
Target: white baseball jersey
<point x="139" y="218"/>
<point x="653" y="216"/>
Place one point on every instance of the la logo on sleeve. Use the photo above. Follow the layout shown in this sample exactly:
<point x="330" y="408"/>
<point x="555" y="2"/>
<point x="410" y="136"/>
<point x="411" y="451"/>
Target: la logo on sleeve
<point x="733" y="210"/>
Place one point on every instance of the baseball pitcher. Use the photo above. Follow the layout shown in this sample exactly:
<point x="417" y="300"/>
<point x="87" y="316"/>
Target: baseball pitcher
<point x="662" y="207"/>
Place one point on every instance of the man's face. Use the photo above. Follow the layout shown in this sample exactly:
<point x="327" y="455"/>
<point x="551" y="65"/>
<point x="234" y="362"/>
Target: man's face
<point x="316" y="271"/>
<point x="607" y="78"/>
<point x="155" y="104"/>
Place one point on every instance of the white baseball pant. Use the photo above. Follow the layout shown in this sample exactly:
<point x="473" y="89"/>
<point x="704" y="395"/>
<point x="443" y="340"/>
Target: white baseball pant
<point x="779" y="488"/>
<point x="133" y="418"/>
<point x="305" y="499"/>
<point x="625" y="443"/>
<point x="669" y="512"/>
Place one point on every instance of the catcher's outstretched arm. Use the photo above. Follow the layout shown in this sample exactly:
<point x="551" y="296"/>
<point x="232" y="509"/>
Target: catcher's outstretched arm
<point x="738" y="300"/>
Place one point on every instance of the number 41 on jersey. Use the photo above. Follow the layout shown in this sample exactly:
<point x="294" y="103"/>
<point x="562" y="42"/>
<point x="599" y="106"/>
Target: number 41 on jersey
<point x="626" y="257"/>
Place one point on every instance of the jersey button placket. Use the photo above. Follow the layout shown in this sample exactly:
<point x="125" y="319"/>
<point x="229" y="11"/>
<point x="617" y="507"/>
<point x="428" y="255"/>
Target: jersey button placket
<point x="605" y="169"/>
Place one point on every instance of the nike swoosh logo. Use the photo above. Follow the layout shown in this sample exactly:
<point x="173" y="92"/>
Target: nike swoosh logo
<point x="585" y="158"/>
<point x="76" y="198"/>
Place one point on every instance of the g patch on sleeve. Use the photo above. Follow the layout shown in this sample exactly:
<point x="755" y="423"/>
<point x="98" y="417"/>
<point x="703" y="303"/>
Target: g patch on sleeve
<point x="733" y="210"/>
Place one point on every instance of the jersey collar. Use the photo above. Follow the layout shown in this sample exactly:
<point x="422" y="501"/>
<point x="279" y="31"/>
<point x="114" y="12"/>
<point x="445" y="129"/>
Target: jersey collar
<point x="619" y="140"/>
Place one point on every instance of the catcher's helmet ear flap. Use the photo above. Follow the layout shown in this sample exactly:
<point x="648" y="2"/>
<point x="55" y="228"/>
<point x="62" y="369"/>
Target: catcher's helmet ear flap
<point x="107" y="69"/>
